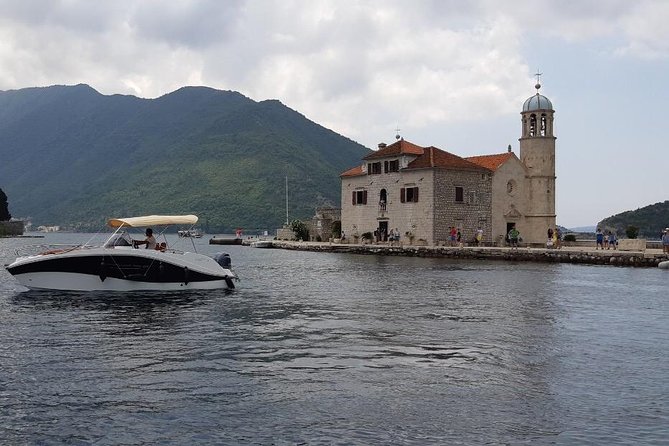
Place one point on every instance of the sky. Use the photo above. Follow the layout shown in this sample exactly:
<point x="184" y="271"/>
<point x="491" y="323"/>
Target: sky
<point x="446" y="73"/>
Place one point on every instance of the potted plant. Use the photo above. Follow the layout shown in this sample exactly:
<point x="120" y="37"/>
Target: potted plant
<point x="367" y="237"/>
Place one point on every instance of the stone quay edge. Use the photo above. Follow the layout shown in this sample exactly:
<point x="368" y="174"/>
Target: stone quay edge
<point x="576" y="255"/>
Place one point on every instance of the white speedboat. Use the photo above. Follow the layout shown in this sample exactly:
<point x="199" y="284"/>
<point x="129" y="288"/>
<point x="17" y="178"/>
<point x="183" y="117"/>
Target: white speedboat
<point x="118" y="266"/>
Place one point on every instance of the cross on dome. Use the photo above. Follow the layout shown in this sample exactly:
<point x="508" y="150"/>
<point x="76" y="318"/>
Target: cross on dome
<point x="538" y="85"/>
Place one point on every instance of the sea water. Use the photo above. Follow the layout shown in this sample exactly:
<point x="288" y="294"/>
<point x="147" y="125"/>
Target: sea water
<point x="316" y="348"/>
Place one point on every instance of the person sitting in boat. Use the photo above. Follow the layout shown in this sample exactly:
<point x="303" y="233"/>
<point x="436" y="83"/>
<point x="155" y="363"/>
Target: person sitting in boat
<point x="150" y="240"/>
<point x="162" y="246"/>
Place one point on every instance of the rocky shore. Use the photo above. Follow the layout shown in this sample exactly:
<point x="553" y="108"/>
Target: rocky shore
<point x="648" y="258"/>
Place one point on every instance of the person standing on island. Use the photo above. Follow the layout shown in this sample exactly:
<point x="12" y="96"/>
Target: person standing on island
<point x="513" y="235"/>
<point x="612" y="240"/>
<point x="665" y="241"/>
<point x="149" y="241"/>
<point x="479" y="236"/>
<point x="600" y="239"/>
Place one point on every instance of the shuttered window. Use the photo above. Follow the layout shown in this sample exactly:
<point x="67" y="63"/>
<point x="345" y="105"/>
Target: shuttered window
<point x="409" y="195"/>
<point x="359" y="197"/>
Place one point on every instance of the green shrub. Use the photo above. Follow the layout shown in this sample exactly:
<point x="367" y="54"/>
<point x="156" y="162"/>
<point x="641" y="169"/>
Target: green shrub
<point x="300" y="229"/>
<point x="632" y="231"/>
<point x="570" y="238"/>
<point x="367" y="236"/>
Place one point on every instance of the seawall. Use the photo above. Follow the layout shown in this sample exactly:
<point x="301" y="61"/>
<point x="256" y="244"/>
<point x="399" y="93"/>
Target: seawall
<point x="649" y="258"/>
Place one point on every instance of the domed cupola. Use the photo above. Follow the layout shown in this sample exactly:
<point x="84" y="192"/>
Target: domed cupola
<point x="537" y="116"/>
<point x="537" y="102"/>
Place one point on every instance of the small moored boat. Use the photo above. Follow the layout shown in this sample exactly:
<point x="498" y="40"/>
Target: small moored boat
<point x="190" y="233"/>
<point x="225" y="241"/>
<point x="262" y="244"/>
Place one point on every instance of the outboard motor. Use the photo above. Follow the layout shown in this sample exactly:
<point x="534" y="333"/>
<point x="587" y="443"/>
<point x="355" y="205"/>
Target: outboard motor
<point x="223" y="259"/>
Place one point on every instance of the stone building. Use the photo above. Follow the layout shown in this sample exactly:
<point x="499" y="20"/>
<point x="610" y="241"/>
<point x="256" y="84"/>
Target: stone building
<point x="322" y="223"/>
<point x="423" y="191"/>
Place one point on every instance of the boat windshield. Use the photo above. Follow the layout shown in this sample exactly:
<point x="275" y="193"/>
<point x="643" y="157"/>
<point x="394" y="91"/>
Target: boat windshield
<point x="122" y="239"/>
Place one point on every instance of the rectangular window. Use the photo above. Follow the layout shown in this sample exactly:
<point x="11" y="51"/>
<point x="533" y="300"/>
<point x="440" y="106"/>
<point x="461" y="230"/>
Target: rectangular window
<point x="392" y="166"/>
<point x="409" y="195"/>
<point x="359" y="197"/>
<point x="459" y="194"/>
<point x="374" y="168"/>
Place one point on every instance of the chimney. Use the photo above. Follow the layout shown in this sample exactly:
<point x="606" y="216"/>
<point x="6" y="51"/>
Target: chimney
<point x="382" y="145"/>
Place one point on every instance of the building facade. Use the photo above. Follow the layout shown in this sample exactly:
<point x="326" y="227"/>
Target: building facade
<point x="419" y="192"/>
<point x="422" y="192"/>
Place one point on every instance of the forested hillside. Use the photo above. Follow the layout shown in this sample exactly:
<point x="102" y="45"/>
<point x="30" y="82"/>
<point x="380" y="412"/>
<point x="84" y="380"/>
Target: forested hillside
<point x="650" y="220"/>
<point x="73" y="157"/>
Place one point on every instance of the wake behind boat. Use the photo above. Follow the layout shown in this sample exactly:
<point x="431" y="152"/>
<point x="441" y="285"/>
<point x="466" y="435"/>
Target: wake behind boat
<point x="117" y="265"/>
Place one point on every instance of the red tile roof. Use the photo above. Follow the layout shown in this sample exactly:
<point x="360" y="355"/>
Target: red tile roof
<point x="433" y="157"/>
<point x="492" y="162"/>
<point x="354" y="172"/>
<point x="400" y="147"/>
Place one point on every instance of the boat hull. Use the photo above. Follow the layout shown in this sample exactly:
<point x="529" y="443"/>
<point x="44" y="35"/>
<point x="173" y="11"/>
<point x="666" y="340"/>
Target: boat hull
<point x="86" y="282"/>
<point x="262" y="244"/>
<point x="225" y="241"/>
<point x="121" y="270"/>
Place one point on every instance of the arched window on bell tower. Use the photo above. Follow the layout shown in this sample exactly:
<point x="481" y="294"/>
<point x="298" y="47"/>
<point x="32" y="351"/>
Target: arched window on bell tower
<point x="533" y="125"/>
<point x="543" y="128"/>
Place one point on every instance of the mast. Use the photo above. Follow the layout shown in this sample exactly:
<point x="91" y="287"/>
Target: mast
<point x="286" y="200"/>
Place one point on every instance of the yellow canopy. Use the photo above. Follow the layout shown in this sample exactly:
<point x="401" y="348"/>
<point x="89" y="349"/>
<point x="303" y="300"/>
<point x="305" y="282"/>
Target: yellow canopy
<point x="153" y="220"/>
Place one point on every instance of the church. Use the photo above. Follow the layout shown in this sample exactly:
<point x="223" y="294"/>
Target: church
<point x="423" y="192"/>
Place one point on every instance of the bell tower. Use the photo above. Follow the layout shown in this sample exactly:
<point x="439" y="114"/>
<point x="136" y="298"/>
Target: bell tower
<point x="537" y="153"/>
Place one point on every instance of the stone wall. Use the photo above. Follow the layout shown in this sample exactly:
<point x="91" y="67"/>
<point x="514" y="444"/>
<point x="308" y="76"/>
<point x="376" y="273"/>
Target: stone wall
<point x="428" y="219"/>
<point x="320" y="226"/>
<point x="612" y="258"/>
<point x="468" y="215"/>
<point x="509" y="202"/>
<point x="414" y="218"/>
<point x="285" y="233"/>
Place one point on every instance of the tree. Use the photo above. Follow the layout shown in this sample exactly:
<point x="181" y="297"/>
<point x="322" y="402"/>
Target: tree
<point x="632" y="231"/>
<point x="300" y="229"/>
<point x="4" y="207"/>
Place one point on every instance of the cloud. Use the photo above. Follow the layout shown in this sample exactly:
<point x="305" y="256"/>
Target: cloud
<point x="360" y="68"/>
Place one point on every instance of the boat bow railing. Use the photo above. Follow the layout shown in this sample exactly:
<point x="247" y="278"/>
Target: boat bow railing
<point x="47" y="248"/>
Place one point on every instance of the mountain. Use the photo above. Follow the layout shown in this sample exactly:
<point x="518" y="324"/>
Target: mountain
<point x="650" y="220"/>
<point x="74" y="157"/>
